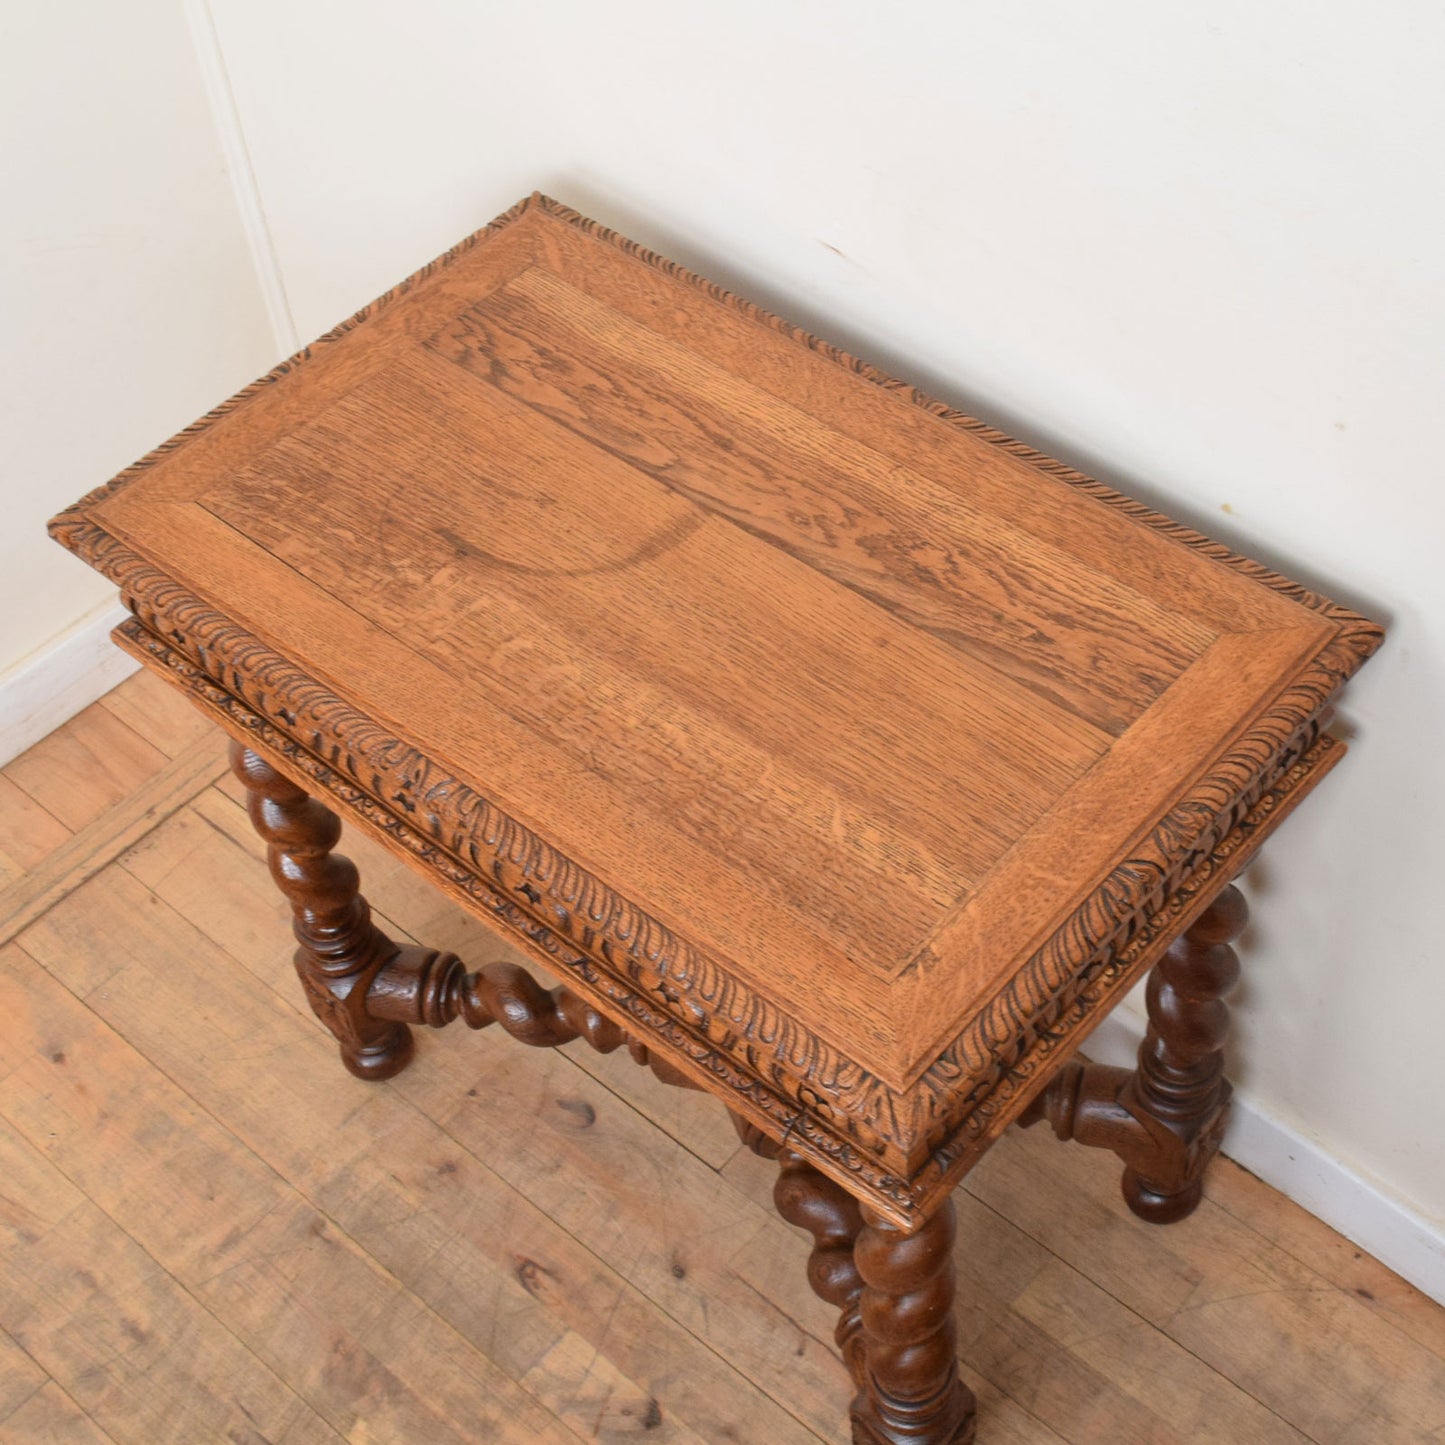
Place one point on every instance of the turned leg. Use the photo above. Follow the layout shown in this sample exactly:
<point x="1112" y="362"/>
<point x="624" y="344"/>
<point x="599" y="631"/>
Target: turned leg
<point x="831" y="1215"/>
<point x="339" y="950"/>
<point x="894" y="1294"/>
<point x="1180" y="1080"/>
<point x="1166" y="1117"/>
<point x="909" y="1392"/>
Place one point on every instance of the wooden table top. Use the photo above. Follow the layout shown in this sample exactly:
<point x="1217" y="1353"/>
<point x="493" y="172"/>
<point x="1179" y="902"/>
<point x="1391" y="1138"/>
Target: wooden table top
<point x="864" y="752"/>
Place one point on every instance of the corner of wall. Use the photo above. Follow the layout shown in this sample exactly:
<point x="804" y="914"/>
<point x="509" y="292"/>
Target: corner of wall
<point x="226" y="117"/>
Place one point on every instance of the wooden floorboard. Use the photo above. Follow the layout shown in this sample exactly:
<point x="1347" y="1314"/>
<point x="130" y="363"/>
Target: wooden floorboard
<point x="155" y="711"/>
<point x="209" y="1231"/>
<point x="28" y="834"/>
<point x="20" y="1376"/>
<point x="90" y="765"/>
<point x="85" y="853"/>
<point x="51" y="1415"/>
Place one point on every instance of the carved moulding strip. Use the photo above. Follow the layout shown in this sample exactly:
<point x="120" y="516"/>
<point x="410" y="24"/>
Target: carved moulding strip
<point x="809" y="1108"/>
<point x="899" y="1129"/>
<point x="1061" y="1025"/>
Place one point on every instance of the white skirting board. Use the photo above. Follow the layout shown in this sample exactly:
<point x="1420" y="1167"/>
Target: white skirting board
<point x="1296" y="1165"/>
<point x="56" y="681"/>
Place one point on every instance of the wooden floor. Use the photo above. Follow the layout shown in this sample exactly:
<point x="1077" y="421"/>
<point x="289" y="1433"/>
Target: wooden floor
<point x="210" y="1232"/>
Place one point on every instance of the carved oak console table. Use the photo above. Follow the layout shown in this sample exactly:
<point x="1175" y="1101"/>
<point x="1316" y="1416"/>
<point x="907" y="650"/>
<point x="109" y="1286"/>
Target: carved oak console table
<point x="829" y="750"/>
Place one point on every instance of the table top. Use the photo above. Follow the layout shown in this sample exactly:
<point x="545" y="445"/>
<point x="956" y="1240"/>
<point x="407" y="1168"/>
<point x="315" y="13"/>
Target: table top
<point x="852" y="736"/>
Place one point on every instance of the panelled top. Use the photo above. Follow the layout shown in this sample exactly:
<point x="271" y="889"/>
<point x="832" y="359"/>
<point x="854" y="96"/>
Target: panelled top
<point x="805" y="678"/>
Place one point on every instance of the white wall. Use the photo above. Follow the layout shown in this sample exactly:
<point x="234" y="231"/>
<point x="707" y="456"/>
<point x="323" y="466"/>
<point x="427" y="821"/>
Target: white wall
<point x="128" y="305"/>
<point x="1194" y="249"/>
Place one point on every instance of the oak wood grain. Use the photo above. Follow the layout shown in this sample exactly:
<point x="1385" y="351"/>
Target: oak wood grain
<point x="917" y="548"/>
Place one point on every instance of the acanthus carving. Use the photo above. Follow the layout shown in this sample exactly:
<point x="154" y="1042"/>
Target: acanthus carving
<point x="835" y="1110"/>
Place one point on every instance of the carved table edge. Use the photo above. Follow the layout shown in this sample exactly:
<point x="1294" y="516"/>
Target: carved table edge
<point x="902" y="1132"/>
<point x="899" y="1127"/>
<point x="787" y="1106"/>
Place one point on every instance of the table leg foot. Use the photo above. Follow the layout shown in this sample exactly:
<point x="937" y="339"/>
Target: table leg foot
<point x="1179" y="1082"/>
<point x="909" y="1388"/>
<point x="339" y="950"/>
<point x="1154" y="1206"/>
<point x="1166" y="1117"/>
